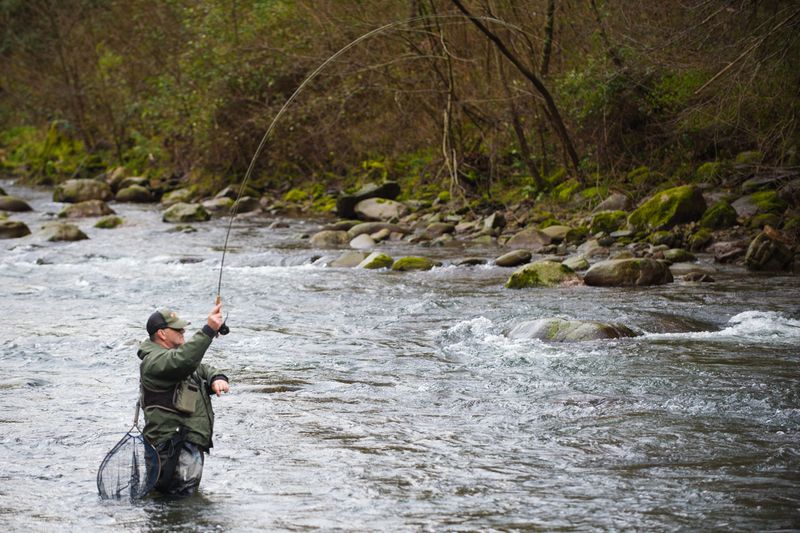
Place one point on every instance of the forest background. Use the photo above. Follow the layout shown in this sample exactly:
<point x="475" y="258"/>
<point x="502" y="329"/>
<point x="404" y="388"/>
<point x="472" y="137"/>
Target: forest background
<point x="558" y="95"/>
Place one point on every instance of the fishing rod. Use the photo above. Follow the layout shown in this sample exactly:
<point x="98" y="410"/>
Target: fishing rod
<point x="306" y="81"/>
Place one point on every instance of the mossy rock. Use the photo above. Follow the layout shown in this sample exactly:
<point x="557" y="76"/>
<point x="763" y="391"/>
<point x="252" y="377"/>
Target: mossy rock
<point x="577" y="263"/>
<point x="13" y="229"/>
<point x="109" y="222"/>
<point x="376" y="260"/>
<point x="89" y="208"/>
<point x="182" y="212"/>
<point x="405" y="264"/>
<point x="662" y="238"/>
<point x="764" y="219"/>
<point x="72" y="191"/>
<point x="561" y="330"/>
<point x="668" y="208"/>
<point x="576" y="235"/>
<point x="542" y="274"/>
<point x="14" y="204"/>
<point x="182" y="195"/>
<point x="750" y="157"/>
<point x="643" y="177"/>
<point x="295" y="196"/>
<point x="61" y="231"/>
<point x="443" y="197"/>
<point x="768" y="202"/>
<point x="679" y="255"/>
<point x="563" y="192"/>
<point x="608" y="221"/>
<point x="628" y="273"/>
<point x="550" y="221"/>
<point x="719" y="216"/>
<point x="700" y="239"/>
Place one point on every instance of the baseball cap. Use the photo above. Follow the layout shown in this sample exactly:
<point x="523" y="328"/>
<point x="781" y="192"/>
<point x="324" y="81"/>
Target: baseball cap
<point x="164" y="318"/>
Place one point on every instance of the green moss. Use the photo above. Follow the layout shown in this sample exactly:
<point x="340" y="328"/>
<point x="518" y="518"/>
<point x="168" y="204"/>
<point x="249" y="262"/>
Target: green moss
<point x="405" y="264"/>
<point x="540" y="274"/>
<point x="792" y="224"/>
<point x="764" y="219"/>
<point x="376" y="260"/>
<point x="718" y="216"/>
<point x="712" y="172"/>
<point x="668" y="208"/>
<point x="700" y="239"/>
<point x="295" y="196"/>
<point x="563" y="192"/>
<point x="768" y="202"/>
<point x="608" y="221"/>
<point x="108" y="222"/>
<point x="444" y="197"/>
<point x="575" y="235"/>
<point x="661" y="237"/>
<point x="324" y="204"/>
<point x="546" y="223"/>
<point x="752" y="157"/>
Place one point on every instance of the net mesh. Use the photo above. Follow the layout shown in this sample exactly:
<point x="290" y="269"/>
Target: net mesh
<point x="129" y="470"/>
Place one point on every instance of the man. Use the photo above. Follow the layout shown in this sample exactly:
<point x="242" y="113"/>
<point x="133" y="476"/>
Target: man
<point x="175" y="395"/>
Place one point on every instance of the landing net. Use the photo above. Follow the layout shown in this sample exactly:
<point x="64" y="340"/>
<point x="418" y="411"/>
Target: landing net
<point x="130" y="470"/>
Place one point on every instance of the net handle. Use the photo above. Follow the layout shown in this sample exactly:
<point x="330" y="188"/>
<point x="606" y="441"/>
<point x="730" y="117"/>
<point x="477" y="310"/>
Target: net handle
<point x="136" y="416"/>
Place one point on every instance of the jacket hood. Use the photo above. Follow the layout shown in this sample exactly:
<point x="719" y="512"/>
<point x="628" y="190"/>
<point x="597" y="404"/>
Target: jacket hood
<point x="147" y="347"/>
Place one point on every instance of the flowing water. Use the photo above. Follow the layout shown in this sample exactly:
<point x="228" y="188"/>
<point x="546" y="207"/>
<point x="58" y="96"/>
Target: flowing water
<point x="381" y="401"/>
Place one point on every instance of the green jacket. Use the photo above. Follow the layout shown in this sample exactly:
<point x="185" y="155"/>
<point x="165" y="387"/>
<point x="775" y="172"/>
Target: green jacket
<point x="161" y="371"/>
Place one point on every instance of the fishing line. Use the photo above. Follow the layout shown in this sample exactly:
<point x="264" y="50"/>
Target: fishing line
<point x="309" y="78"/>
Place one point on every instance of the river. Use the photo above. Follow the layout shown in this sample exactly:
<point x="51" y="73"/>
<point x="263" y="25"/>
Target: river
<point x="382" y="401"/>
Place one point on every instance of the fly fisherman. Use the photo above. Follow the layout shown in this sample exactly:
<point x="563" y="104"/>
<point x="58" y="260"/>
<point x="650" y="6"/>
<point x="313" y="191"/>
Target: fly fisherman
<point x="176" y="389"/>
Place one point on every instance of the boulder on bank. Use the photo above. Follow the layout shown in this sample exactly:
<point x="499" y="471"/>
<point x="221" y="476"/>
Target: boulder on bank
<point x="176" y="196"/>
<point x="762" y="202"/>
<point x="380" y="209"/>
<point x="12" y="203"/>
<point x="531" y="238"/>
<point x="134" y="194"/>
<point x="182" y="212"/>
<point x="406" y="264"/>
<point x="376" y="260"/>
<point x="719" y="216"/>
<point x="768" y="252"/>
<point x="13" y="229"/>
<point x="561" y="330"/>
<point x="542" y="274"/>
<point x="607" y="221"/>
<point x="73" y="191"/>
<point x="514" y="258"/>
<point x="346" y="203"/>
<point x="89" y="208"/>
<point x="62" y="231"/>
<point x="669" y="208"/>
<point x="330" y="239"/>
<point x="616" y="202"/>
<point x="628" y="273"/>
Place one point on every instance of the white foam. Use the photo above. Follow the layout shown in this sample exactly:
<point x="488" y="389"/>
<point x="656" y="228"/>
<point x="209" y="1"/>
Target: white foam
<point x="754" y="326"/>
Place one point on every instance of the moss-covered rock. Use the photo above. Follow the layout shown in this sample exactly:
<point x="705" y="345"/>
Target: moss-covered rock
<point x="767" y="252"/>
<point x="700" y="240"/>
<point x="711" y="172"/>
<point x="542" y="274"/>
<point x="72" y="191"/>
<point x="768" y="202"/>
<point x="182" y="195"/>
<point x="669" y="208"/>
<point x="330" y="239"/>
<point x="607" y="221"/>
<point x="89" y="208"/>
<point x="658" y="238"/>
<point x="376" y="260"/>
<point x="109" y="222"/>
<point x="764" y="219"/>
<point x="14" y="204"/>
<point x="679" y="255"/>
<point x="405" y="264"/>
<point x="578" y="263"/>
<point x="577" y="235"/>
<point x="563" y="192"/>
<point x="628" y="273"/>
<point x="561" y="330"/>
<point x="750" y="157"/>
<point x="219" y="205"/>
<point x="182" y="212"/>
<point x="13" y="229"/>
<point x="719" y="216"/>
<point x="61" y="231"/>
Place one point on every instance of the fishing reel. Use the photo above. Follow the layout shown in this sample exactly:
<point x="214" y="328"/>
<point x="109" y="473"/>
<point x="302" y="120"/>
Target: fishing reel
<point x="224" y="329"/>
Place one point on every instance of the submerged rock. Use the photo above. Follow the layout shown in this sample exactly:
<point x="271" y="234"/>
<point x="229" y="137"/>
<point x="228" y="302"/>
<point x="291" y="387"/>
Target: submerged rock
<point x="669" y="208"/>
<point x="376" y="260"/>
<point x="12" y="203"/>
<point x="13" y="229"/>
<point x="89" y="208"/>
<point x="405" y="264"/>
<point x="627" y="273"/>
<point x="72" y="191"/>
<point x="542" y="274"/>
<point x="561" y="330"/>
<point x="181" y="212"/>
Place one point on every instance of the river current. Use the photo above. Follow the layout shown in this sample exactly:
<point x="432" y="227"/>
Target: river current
<point x="382" y="401"/>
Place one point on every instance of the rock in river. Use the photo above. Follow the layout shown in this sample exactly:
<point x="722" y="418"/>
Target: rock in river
<point x="561" y="330"/>
<point x="346" y="203"/>
<point x="72" y="191"/>
<point x="405" y="264"/>
<point x="12" y="203"/>
<point x="13" y="229"/>
<point x="89" y="208"/>
<point x="542" y="274"/>
<point x="181" y="212"/>
<point x="380" y="209"/>
<point x="62" y="231"/>
<point x="513" y="258"/>
<point x="376" y="260"/>
<point x="134" y="193"/>
<point x="627" y="273"/>
<point x="330" y="239"/>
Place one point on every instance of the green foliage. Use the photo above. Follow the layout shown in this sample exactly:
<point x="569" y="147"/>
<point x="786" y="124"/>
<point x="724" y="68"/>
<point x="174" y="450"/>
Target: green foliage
<point x="563" y="192"/>
<point x="295" y="196"/>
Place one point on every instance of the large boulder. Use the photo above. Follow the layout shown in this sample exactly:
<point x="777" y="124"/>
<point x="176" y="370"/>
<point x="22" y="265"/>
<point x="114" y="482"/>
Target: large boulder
<point x="561" y="330"/>
<point x="607" y="221"/>
<point x="669" y="208"/>
<point x="762" y="202"/>
<point x="769" y="252"/>
<point x="627" y="273"/>
<point x="89" y="208"/>
<point x="72" y="191"/>
<point x="182" y="212"/>
<point x="62" y="231"/>
<point x="380" y="209"/>
<point x="135" y="194"/>
<point x="12" y="203"/>
<point x="405" y="264"/>
<point x="376" y="260"/>
<point x="13" y="229"/>
<point x="542" y="274"/>
<point x="531" y="237"/>
<point x="330" y="239"/>
<point x="719" y="216"/>
<point x="346" y="203"/>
